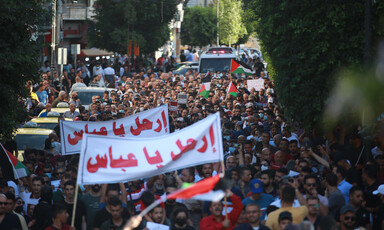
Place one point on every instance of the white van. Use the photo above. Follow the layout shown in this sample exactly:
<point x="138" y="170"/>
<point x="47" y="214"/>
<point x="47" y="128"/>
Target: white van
<point x="217" y="59"/>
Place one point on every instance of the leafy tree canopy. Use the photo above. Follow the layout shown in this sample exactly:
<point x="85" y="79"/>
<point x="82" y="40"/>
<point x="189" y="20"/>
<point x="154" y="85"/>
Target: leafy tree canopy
<point x="199" y="27"/>
<point x="231" y="25"/>
<point x="19" y="57"/>
<point x="305" y="42"/>
<point x="145" y="22"/>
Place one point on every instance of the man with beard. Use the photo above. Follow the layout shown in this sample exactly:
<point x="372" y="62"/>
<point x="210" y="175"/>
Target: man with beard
<point x="116" y="221"/>
<point x="310" y="189"/>
<point x="269" y="187"/>
<point x="92" y="203"/>
<point x="217" y="221"/>
<point x="356" y="199"/>
<point x="7" y="220"/>
<point x="313" y="211"/>
<point x="347" y="217"/>
<point x="253" y="213"/>
<point x="10" y="207"/>
<point x="157" y="216"/>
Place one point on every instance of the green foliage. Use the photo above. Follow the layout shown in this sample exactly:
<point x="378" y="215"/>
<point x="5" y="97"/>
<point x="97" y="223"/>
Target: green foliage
<point x="231" y="25"/>
<point x="306" y="42"/>
<point x="113" y="25"/>
<point x="18" y="55"/>
<point x="199" y="27"/>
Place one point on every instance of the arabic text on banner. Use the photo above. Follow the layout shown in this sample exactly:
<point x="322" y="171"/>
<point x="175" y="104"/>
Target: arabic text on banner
<point x="150" y="123"/>
<point x="111" y="159"/>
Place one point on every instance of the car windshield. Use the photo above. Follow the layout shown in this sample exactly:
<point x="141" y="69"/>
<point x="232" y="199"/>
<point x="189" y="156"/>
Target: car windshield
<point x="215" y="64"/>
<point x="24" y="141"/>
<point x="86" y="97"/>
<point x="47" y="125"/>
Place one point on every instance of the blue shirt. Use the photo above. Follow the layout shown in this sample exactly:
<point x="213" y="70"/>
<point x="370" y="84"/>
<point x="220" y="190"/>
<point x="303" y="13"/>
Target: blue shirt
<point x="344" y="188"/>
<point x="43" y="96"/>
<point x="263" y="202"/>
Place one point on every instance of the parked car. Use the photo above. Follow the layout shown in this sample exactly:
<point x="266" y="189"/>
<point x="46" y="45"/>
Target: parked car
<point x="85" y="94"/>
<point x="30" y="138"/>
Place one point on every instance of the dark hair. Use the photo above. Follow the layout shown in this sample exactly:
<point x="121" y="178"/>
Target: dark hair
<point x="177" y="211"/>
<point x="243" y="169"/>
<point x="70" y="183"/>
<point x="293" y="141"/>
<point x="10" y="196"/>
<point x="370" y="171"/>
<point x="354" y="189"/>
<point x="310" y="176"/>
<point x="313" y="198"/>
<point x="57" y="209"/>
<point x="112" y="187"/>
<point x="46" y="194"/>
<point x="331" y="179"/>
<point x="271" y="208"/>
<point x="342" y="171"/>
<point x="282" y="170"/>
<point x="38" y="178"/>
<point x="288" y="194"/>
<point x="267" y="172"/>
<point x="147" y="198"/>
<point x="115" y="201"/>
<point x="306" y="169"/>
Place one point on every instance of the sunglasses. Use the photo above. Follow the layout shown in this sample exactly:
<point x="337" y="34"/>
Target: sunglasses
<point x="311" y="185"/>
<point x="352" y="218"/>
<point x="3" y="203"/>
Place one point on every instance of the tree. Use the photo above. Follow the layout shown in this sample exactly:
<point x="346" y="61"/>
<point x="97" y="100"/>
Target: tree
<point x="306" y="42"/>
<point x="19" y="57"/>
<point x="145" y="22"/>
<point x="199" y="27"/>
<point x="231" y="26"/>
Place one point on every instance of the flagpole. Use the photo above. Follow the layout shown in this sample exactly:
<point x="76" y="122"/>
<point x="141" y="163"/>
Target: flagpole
<point x="225" y="206"/>
<point x="74" y="206"/>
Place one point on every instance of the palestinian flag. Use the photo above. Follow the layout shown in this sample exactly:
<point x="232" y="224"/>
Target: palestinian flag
<point x="241" y="67"/>
<point x="232" y="90"/>
<point x="202" y="190"/>
<point x="204" y="89"/>
<point x="12" y="168"/>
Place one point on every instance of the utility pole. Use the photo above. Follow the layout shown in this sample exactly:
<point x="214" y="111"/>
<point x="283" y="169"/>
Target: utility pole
<point x="53" y="35"/>
<point x="217" y="13"/>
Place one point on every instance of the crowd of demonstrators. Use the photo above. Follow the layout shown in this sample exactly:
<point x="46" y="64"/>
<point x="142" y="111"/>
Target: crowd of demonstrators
<point x="284" y="176"/>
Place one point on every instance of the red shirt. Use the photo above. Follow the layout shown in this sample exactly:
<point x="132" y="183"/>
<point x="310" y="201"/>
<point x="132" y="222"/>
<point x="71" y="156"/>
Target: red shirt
<point x="210" y="222"/>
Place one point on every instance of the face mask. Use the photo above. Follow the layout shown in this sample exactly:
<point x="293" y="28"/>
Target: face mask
<point x="181" y="221"/>
<point x="98" y="67"/>
<point x="53" y="144"/>
<point x="263" y="168"/>
<point x="256" y="138"/>
<point x="266" y="118"/>
<point x="261" y="115"/>
<point x="96" y="188"/>
<point x="231" y="149"/>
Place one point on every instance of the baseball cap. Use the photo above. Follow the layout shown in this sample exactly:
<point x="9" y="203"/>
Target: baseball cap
<point x="379" y="190"/>
<point x="256" y="186"/>
<point x="347" y="208"/>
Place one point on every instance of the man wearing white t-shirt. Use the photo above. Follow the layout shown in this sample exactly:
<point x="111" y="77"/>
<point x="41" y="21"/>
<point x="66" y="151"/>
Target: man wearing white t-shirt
<point x="31" y="198"/>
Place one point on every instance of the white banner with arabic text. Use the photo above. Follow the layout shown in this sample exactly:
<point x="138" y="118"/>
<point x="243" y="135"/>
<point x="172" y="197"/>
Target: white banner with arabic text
<point x="111" y="159"/>
<point x="149" y="123"/>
